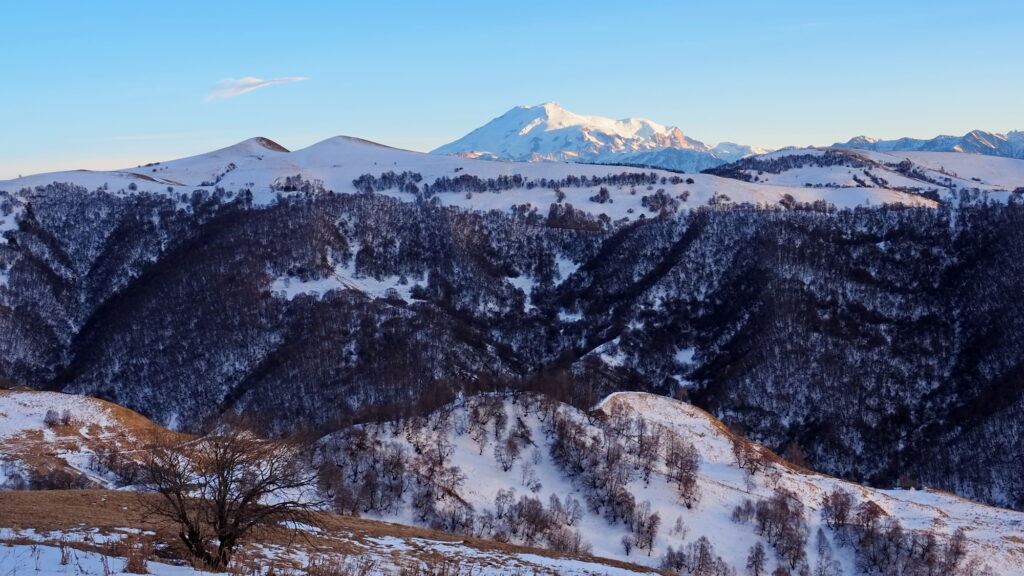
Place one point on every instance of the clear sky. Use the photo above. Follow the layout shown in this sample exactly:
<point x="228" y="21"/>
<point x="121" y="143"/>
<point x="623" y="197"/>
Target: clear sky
<point x="115" y="84"/>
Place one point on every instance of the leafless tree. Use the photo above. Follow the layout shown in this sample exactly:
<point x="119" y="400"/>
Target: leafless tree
<point x="780" y="520"/>
<point x="682" y="462"/>
<point x="648" y="446"/>
<point x="505" y="452"/>
<point x="748" y="456"/>
<point x="836" y="507"/>
<point x="220" y="488"/>
<point x="645" y="527"/>
<point x="756" y="560"/>
<point x="795" y="454"/>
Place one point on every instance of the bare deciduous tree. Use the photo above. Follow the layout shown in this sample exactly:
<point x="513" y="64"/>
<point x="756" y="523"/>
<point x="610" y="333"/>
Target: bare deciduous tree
<point x="756" y="560"/>
<point x="836" y="507"/>
<point x="682" y="462"/>
<point x="221" y="487"/>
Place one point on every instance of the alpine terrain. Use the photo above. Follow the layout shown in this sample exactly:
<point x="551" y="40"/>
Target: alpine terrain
<point x="580" y="368"/>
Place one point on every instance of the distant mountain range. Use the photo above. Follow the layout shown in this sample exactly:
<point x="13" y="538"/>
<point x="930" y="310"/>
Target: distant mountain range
<point x="548" y="132"/>
<point x="1010" y="145"/>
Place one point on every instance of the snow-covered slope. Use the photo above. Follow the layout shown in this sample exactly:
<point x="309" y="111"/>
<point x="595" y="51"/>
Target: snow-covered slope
<point x="266" y="170"/>
<point x="1010" y="144"/>
<point x="210" y="168"/>
<point x="971" y="170"/>
<point x="550" y="132"/>
<point x="938" y="174"/>
<point x="991" y="531"/>
<point x="472" y="436"/>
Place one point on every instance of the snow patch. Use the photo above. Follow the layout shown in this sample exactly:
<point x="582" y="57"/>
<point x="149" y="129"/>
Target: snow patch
<point x="22" y="412"/>
<point x="342" y="278"/>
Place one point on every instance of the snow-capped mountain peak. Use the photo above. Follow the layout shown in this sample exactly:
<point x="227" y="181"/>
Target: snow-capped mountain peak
<point x="549" y="132"/>
<point x="555" y="117"/>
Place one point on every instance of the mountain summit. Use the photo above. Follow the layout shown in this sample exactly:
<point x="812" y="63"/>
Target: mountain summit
<point x="548" y="132"/>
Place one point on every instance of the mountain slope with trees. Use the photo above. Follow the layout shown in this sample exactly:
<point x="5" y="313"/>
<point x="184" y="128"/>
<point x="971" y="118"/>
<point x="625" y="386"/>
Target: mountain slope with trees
<point x="883" y="342"/>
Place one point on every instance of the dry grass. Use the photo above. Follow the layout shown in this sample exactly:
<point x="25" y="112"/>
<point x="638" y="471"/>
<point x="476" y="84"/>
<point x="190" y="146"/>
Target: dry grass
<point x="136" y="551"/>
<point x="52" y="510"/>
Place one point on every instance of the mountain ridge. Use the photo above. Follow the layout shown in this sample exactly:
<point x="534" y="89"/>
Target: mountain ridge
<point x="1010" y="144"/>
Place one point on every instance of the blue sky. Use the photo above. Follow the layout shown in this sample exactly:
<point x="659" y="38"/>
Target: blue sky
<point x="115" y="84"/>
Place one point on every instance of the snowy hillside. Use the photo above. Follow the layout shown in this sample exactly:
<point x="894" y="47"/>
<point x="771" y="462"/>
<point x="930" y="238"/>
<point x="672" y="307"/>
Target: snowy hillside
<point x="641" y="479"/>
<point x="1009" y="145"/>
<point x="265" y="169"/>
<point x="548" y="132"/>
<point x="933" y="174"/>
<point x="51" y="440"/>
<point x="499" y="467"/>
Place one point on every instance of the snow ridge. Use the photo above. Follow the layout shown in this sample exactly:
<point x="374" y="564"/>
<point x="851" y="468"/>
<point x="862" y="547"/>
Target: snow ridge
<point x="263" y="169"/>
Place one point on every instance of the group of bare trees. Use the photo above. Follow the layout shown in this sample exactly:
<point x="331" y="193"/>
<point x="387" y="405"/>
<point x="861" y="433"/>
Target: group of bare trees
<point x="412" y="183"/>
<point x="881" y="545"/>
<point x="362" y="471"/>
<point x="698" y="558"/>
<point x="780" y="520"/>
<point x="365" y="474"/>
<point x="527" y="520"/>
<point x="603" y="460"/>
<point x="884" y="547"/>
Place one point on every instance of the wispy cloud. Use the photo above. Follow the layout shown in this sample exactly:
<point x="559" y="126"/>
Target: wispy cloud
<point x="231" y="87"/>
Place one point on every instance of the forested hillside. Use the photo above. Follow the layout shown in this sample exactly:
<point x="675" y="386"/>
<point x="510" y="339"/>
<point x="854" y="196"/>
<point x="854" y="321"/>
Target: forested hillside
<point x="881" y="343"/>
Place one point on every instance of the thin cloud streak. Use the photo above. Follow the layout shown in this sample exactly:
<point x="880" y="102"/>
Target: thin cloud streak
<point x="231" y="87"/>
